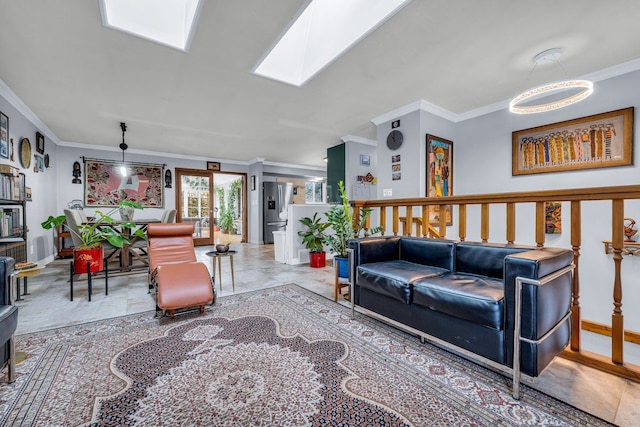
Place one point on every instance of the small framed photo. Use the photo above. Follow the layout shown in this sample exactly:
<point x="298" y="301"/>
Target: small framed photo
<point x="39" y="163"/>
<point x="395" y="158"/>
<point x="253" y="182"/>
<point x="396" y="176"/>
<point x="4" y="136"/>
<point x="396" y="167"/>
<point x="39" y="143"/>
<point x="365" y="160"/>
<point x="213" y="166"/>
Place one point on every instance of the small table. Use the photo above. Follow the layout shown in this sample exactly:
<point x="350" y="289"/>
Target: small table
<point x="23" y="274"/>
<point x="216" y="258"/>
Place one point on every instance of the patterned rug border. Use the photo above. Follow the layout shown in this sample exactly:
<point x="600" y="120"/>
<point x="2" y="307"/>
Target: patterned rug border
<point x="530" y="396"/>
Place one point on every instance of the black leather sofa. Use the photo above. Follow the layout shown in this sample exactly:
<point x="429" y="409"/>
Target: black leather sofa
<point x="8" y="318"/>
<point x="464" y="296"/>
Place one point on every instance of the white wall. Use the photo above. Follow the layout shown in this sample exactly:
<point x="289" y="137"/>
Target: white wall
<point x="482" y="164"/>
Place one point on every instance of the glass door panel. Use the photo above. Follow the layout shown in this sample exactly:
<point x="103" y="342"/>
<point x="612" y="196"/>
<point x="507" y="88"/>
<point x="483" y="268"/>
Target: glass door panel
<point x="194" y="203"/>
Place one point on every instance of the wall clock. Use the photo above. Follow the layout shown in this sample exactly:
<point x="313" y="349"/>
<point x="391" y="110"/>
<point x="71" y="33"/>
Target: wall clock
<point x="394" y="140"/>
<point x="25" y="153"/>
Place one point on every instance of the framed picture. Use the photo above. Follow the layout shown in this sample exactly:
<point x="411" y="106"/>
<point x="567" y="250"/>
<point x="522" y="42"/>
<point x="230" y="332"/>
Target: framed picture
<point x="396" y="176"/>
<point x="598" y="141"/>
<point x="253" y="182"/>
<point x="365" y="160"/>
<point x="395" y="158"/>
<point x="395" y="167"/>
<point x="439" y="174"/>
<point x="105" y="186"/>
<point x="4" y="136"/>
<point x="553" y="218"/>
<point x="39" y="163"/>
<point x="39" y="143"/>
<point x="213" y="166"/>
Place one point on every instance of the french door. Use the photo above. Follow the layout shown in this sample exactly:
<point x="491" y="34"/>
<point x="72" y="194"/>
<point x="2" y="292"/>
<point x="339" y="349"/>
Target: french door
<point x="194" y="203"/>
<point x="215" y="203"/>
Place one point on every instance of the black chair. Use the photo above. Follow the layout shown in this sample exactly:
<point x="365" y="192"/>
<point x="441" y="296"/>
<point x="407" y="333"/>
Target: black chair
<point x="8" y="318"/>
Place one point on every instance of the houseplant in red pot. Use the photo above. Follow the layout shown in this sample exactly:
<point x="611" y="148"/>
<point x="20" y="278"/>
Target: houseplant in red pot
<point x="94" y="233"/>
<point x="313" y="238"/>
<point x="340" y="220"/>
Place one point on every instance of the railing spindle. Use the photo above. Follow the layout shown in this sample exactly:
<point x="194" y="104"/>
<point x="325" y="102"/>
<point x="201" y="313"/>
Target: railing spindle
<point x="462" y="222"/>
<point x="617" y="319"/>
<point x="540" y="226"/>
<point x="396" y="220"/>
<point x="511" y="223"/>
<point x="408" y="231"/>
<point x="576" y="241"/>
<point x="484" y="222"/>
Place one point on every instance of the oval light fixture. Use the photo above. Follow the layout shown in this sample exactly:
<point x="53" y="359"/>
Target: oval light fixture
<point x="585" y="86"/>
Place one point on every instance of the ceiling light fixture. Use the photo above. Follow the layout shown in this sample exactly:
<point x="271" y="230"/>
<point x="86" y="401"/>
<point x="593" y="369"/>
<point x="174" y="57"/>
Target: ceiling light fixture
<point x="123" y="147"/>
<point x="321" y="32"/>
<point x="584" y="87"/>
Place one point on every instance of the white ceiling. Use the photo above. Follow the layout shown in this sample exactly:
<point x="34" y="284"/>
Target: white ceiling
<point x="82" y="79"/>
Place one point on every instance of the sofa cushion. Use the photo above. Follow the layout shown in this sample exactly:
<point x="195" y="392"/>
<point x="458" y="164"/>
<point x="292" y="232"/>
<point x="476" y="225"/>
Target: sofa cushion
<point x="486" y="259"/>
<point x="393" y="278"/>
<point x="474" y="298"/>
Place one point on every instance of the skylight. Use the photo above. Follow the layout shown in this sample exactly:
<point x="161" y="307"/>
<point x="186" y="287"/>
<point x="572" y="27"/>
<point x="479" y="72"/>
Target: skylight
<point x="168" y="22"/>
<point x="323" y="30"/>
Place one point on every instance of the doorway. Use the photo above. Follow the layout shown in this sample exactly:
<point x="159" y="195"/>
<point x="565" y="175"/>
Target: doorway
<point x="215" y="203"/>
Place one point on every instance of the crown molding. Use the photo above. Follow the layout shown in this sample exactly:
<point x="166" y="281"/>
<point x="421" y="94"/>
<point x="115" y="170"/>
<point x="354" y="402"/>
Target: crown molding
<point x="604" y="74"/>
<point x="22" y="108"/>
<point x="85" y="146"/>
<point x="359" y="140"/>
<point x="420" y="105"/>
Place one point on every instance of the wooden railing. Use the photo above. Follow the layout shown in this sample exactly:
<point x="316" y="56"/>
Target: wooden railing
<point x="418" y="225"/>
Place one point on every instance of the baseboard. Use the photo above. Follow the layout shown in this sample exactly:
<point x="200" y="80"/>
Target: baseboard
<point x="602" y="329"/>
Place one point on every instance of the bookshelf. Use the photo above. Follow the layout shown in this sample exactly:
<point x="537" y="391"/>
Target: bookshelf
<point x="13" y="216"/>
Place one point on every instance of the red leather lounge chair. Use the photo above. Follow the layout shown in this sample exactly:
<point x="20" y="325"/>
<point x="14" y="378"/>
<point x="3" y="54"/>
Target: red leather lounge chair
<point x="180" y="280"/>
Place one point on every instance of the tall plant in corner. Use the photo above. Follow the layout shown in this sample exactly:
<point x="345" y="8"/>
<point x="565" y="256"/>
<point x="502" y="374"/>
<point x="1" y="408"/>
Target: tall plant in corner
<point x="340" y="219"/>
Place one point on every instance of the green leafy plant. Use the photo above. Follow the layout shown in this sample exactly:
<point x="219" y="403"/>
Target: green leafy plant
<point x="98" y="229"/>
<point x="313" y="237"/>
<point x="225" y="220"/>
<point x="340" y="219"/>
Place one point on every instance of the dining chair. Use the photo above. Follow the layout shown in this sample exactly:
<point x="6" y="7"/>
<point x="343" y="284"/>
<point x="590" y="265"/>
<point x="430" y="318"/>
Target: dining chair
<point x="168" y="216"/>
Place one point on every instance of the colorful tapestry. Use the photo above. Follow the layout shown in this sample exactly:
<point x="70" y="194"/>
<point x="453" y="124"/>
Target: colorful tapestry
<point x="105" y="185"/>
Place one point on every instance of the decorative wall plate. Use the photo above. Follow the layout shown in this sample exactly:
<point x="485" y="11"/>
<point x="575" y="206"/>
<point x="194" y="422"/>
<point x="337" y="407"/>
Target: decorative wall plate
<point x="25" y="153"/>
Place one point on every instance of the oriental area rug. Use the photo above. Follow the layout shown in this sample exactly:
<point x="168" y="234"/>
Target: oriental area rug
<point x="276" y="357"/>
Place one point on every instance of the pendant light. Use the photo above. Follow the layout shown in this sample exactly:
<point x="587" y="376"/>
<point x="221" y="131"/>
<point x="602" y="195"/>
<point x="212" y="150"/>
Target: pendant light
<point x="123" y="147"/>
<point x="584" y="87"/>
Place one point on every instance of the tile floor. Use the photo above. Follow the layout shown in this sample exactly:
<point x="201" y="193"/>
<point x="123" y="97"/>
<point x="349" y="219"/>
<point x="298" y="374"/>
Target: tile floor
<point x="609" y="397"/>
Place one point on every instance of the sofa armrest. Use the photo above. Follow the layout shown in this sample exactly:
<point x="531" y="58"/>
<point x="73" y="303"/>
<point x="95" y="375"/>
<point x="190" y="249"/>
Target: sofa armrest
<point x="543" y="305"/>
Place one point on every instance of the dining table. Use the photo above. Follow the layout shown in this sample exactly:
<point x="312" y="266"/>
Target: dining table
<point x="126" y="253"/>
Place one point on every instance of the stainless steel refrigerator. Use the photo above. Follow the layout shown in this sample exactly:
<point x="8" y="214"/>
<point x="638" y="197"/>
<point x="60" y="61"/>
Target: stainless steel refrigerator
<point x="276" y="197"/>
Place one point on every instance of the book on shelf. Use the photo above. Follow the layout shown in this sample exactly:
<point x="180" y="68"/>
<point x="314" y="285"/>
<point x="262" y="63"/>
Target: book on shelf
<point x="11" y="222"/>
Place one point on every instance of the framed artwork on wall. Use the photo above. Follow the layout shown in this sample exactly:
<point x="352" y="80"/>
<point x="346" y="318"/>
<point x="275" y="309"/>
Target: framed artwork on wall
<point x="39" y="143"/>
<point x="213" y="166"/>
<point x="105" y="186"/>
<point x="365" y="160"/>
<point x="4" y="136"/>
<point x="439" y="174"/>
<point x="597" y="141"/>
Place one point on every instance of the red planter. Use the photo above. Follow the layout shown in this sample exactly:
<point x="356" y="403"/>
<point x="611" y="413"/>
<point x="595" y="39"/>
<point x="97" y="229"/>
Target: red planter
<point x="317" y="259"/>
<point x="94" y="256"/>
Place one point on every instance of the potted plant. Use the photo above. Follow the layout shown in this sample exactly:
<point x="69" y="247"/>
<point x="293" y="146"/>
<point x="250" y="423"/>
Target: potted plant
<point x="340" y="219"/>
<point x="313" y="238"/>
<point x="94" y="233"/>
